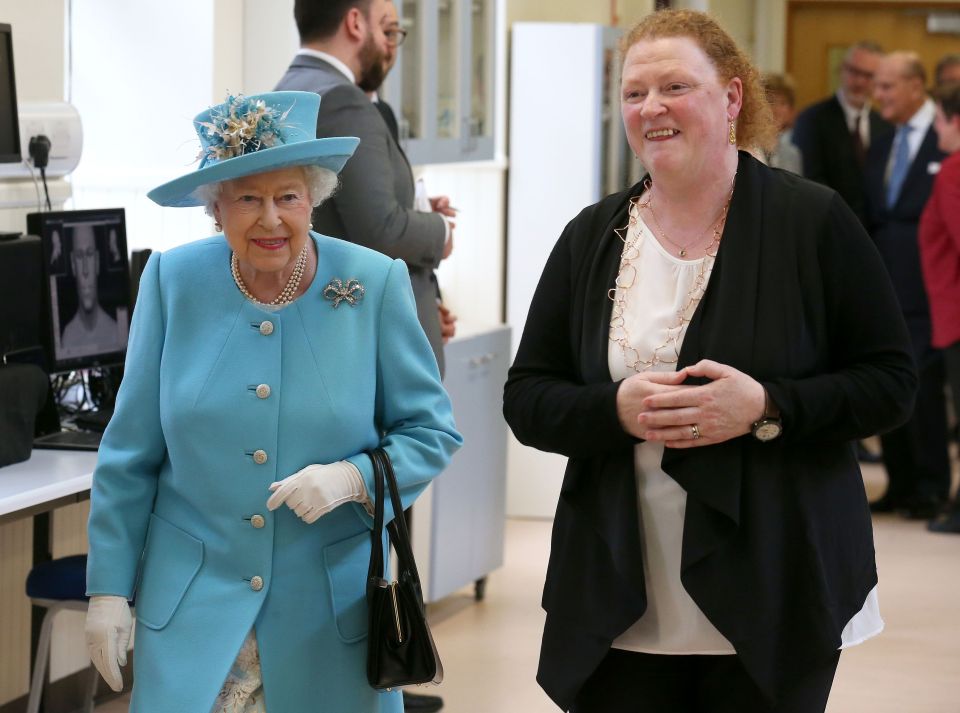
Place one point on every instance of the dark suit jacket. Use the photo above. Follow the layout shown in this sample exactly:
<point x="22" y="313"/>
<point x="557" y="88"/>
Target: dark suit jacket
<point x="374" y="204"/>
<point x="777" y="547"/>
<point x="894" y="230"/>
<point x="823" y="137"/>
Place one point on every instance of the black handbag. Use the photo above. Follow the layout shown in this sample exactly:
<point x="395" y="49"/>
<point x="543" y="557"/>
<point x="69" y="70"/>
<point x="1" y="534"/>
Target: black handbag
<point x="400" y="648"/>
<point x="23" y="392"/>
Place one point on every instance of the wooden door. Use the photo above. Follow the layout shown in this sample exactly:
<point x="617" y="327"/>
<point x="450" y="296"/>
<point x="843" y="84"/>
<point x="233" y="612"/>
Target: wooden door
<point x="819" y="32"/>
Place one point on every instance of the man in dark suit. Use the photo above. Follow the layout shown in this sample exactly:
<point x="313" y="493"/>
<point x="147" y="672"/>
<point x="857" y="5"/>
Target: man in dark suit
<point x="344" y="47"/>
<point x="899" y="172"/>
<point x="834" y="134"/>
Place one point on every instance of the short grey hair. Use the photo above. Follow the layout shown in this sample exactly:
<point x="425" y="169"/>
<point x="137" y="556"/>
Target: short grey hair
<point x="321" y="184"/>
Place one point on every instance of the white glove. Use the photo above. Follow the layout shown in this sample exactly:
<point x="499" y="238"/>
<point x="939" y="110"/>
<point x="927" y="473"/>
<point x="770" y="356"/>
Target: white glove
<point x="317" y="489"/>
<point x="108" y="635"/>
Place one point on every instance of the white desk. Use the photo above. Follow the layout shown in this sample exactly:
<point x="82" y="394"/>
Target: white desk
<point x="47" y="481"/>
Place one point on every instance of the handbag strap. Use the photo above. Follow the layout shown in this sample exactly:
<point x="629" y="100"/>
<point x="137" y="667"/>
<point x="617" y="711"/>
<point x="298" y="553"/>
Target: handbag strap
<point x="397" y="529"/>
<point x="375" y="570"/>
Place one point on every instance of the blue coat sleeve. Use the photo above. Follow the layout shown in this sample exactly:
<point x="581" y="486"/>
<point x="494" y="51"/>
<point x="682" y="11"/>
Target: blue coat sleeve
<point x="131" y="453"/>
<point x="413" y="410"/>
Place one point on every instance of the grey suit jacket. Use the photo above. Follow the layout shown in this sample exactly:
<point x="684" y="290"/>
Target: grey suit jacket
<point x="374" y="204"/>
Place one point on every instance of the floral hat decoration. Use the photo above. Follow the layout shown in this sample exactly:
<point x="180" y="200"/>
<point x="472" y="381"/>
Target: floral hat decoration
<point x="255" y="134"/>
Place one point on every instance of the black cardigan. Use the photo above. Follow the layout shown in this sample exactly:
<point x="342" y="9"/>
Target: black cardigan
<point x="778" y="546"/>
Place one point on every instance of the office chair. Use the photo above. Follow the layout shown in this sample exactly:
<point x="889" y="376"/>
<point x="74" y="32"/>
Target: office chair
<point x="57" y="585"/>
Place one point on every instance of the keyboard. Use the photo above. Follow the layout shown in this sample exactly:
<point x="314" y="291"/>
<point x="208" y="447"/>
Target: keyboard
<point x="94" y="420"/>
<point x="69" y="441"/>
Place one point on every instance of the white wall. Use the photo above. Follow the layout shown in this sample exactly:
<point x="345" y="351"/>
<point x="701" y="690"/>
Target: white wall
<point x="39" y="57"/>
<point x="39" y="47"/>
<point x="137" y="92"/>
<point x="270" y="41"/>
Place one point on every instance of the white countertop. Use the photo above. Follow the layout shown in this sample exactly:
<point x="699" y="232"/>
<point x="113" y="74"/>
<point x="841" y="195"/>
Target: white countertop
<point x="47" y="476"/>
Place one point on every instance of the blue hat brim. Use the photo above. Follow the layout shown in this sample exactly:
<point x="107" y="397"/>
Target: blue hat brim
<point x="330" y="153"/>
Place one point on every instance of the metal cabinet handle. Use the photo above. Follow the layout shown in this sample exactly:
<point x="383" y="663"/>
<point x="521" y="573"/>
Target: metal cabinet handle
<point x="476" y="361"/>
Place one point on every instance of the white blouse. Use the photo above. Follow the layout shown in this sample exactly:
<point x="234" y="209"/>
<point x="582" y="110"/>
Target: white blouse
<point x="651" y="298"/>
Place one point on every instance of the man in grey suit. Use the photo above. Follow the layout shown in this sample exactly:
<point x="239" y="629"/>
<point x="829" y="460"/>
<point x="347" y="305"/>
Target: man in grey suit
<point x="344" y="49"/>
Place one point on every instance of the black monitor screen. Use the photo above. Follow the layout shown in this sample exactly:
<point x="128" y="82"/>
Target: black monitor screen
<point x="87" y="286"/>
<point x="9" y="122"/>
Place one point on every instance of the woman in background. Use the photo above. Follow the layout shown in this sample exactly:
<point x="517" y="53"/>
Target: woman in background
<point x="939" y="237"/>
<point x="781" y="94"/>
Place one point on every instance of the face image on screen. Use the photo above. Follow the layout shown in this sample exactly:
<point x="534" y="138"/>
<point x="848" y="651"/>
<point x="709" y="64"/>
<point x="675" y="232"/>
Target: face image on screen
<point x="87" y="274"/>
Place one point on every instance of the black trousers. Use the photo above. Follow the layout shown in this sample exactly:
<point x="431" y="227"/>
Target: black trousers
<point x="628" y="682"/>
<point x="915" y="455"/>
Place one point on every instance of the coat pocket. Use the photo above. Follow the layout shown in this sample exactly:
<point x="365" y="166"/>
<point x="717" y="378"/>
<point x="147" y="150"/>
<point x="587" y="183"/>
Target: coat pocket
<point x="346" y="563"/>
<point x="171" y="560"/>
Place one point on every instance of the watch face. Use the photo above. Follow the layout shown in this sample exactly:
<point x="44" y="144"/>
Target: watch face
<point x="767" y="430"/>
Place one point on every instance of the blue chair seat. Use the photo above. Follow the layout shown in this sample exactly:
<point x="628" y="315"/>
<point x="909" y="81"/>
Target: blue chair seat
<point x="59" y="579"/>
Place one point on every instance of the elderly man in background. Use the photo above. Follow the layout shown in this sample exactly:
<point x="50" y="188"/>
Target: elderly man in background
<point x="834" y="134"/>
<point x="899" y="172"/>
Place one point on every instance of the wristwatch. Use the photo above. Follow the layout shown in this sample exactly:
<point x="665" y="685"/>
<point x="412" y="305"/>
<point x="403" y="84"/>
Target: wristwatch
<point x="768" y="426"/>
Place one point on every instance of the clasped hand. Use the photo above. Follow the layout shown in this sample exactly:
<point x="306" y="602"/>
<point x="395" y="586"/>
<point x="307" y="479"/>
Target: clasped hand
<point x="317" y="489"/>
<point x="657" y="406"/>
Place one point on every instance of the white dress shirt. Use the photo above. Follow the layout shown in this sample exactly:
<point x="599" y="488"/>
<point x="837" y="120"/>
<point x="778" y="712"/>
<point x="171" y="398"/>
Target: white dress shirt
<point x="330" y="59"/>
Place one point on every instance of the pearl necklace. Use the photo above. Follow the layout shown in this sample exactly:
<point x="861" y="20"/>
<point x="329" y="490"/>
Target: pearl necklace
<point x="289" y="292"/>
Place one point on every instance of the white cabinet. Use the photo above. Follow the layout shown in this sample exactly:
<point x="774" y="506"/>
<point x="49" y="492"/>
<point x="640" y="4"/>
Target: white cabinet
<point x="442" y="86"/>
<point x="567" y="150"/>
<point x="458" y="523"/>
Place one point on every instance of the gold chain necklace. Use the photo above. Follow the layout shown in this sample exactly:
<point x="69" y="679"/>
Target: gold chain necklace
<point x="626" y="277"/>
<point x="289" y="291"/>
<point x="681" y="249"/>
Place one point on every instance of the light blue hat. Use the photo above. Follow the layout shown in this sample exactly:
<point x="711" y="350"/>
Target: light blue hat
<point x="255" y="134"/>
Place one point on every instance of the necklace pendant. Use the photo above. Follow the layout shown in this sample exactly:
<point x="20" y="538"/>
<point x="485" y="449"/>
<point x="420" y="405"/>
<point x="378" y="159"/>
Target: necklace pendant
<point x="683" y="252"/>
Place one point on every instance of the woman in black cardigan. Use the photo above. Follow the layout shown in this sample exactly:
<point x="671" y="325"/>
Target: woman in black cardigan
<point x="704" y="348"/>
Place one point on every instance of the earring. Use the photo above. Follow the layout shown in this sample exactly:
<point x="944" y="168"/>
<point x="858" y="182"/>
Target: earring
<point x="216" y="224"/>
<point x="733" y="132"/>
<point x="310" y="226"/>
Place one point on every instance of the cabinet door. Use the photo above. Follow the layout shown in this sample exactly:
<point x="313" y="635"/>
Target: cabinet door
<point x="469" y="498"/>
<point x="410" y="72"/>
<point x="444" y="79"/>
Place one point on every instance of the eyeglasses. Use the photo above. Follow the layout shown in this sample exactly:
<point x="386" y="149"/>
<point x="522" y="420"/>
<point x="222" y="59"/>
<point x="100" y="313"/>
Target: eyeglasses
<point x="857" y="72"/>
<point x="395" y="36"/>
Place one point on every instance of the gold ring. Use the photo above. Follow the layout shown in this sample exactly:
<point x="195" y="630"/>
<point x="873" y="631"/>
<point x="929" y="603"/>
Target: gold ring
<point x="695" y="432"/>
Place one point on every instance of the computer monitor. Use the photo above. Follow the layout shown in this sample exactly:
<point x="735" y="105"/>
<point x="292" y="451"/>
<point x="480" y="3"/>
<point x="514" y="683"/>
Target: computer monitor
<point x="86" y="286"/>
<point x="9" y="119"/>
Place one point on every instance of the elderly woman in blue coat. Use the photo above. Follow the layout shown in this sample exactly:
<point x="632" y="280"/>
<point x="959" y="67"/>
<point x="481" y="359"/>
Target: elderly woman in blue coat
<point x="232" y="489"/>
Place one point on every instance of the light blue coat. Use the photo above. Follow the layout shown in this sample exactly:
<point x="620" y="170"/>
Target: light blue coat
<point x="178" y="507"/>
